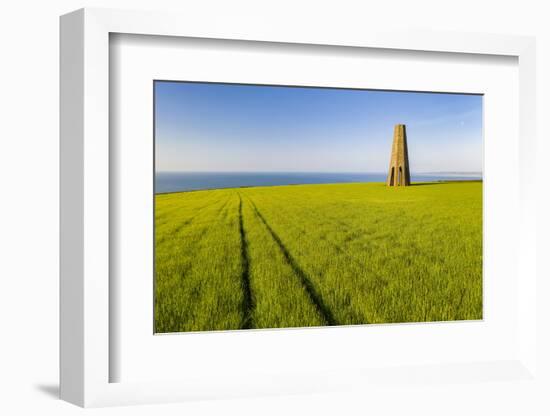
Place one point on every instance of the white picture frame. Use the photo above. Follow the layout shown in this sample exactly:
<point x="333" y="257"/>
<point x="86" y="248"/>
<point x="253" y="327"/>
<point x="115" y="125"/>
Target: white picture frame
<point x="85" y="354"/>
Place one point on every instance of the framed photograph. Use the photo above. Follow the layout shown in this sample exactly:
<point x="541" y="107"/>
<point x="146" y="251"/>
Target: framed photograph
<point x="269" y="211"/>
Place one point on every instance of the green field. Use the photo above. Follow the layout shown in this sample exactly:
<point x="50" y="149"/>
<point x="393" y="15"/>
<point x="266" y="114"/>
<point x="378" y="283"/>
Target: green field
<point x="313" y="255"/>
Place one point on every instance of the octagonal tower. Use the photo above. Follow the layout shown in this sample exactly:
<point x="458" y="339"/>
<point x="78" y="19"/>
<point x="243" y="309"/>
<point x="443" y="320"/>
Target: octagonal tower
<point x="399" y="174"/>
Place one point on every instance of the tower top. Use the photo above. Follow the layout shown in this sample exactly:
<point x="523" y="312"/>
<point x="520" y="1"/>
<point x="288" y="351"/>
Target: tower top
<point x="399" y="174"/>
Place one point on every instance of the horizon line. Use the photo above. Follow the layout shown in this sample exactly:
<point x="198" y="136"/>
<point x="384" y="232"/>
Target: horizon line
<point x="316" y="171"/>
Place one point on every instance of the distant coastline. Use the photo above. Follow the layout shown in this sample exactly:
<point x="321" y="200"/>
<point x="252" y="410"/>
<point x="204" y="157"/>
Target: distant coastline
<point x="170" y="182"/>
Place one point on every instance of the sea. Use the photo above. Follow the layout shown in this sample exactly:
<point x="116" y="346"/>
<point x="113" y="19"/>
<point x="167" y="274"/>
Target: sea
<point x="193" y="181"/>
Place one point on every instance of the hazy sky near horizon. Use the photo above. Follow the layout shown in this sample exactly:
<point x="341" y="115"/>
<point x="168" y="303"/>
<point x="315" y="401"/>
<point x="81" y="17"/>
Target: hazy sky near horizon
<point x="246" y="128"/>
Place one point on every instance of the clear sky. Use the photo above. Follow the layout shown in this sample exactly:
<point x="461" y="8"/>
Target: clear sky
<point x="246" y="128"/>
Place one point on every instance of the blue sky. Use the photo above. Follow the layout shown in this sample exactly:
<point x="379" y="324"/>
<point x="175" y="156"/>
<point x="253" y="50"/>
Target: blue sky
<point x="247" y="128"/>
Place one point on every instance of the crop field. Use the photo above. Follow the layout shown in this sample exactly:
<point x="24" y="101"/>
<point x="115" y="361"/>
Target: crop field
<point x="315" y="255"/>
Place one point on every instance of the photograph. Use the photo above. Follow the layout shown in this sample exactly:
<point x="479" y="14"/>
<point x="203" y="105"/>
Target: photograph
<point x="281" y="206"/>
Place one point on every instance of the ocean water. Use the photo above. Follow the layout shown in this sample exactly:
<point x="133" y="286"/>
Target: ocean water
<point x="193" y="181"/>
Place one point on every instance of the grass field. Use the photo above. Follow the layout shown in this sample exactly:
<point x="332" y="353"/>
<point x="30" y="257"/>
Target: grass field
<point x="313" y="255"/>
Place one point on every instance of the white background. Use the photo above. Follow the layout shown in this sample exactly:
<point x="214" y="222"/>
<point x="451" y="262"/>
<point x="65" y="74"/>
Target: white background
<point x="137" y="60"/>
<point x="29" y="209"/>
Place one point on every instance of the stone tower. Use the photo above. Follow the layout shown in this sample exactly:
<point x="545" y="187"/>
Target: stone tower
<point x="399" y="174"/>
